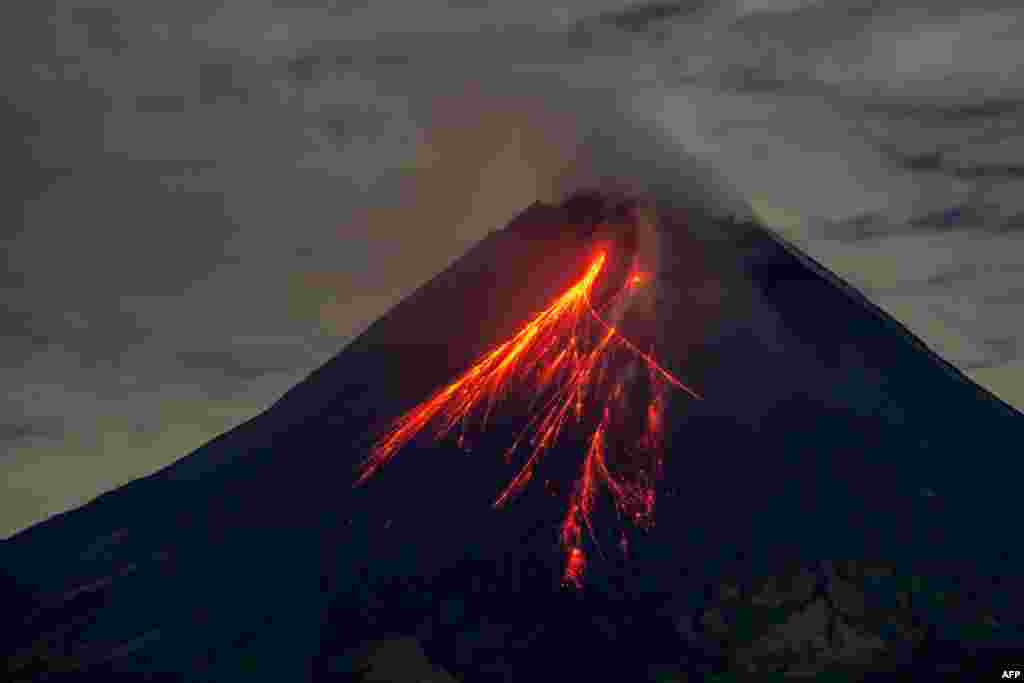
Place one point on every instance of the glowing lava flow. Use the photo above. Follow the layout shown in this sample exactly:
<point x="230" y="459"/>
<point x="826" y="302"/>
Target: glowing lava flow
<point x="571" y="358"/>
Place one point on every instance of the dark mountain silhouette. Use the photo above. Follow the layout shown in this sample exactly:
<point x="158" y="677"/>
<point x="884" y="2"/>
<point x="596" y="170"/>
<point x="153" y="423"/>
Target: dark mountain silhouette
<point x="823" y="424"/>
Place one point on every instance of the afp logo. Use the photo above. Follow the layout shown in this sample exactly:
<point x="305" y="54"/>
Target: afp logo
<point x="1011" y="674"/>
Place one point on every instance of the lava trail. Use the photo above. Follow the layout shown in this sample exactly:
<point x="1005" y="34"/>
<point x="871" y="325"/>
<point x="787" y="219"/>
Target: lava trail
<point x="583" y="372"/>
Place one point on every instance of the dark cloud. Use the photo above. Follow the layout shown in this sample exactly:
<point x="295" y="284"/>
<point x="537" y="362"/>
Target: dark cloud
<point x="977" y="217"/>
<point x="160" y="104"/>
<point x="26" y="431"/>
<point x="219" y="81"/>
<point x="24" y="176"/>
<point x="934" y="113"/>
<point x="1013" y="294"/>
<point x="234" y="364"/>
<point x="309" y="68"/>
<point x="986" y="109"/>
<point x="1013" y="222"/>
<point x="119" y="225"/>
<point x="24" y="327"/>
<point x="392" y="60"/>
<point x="1005" y="349"/>
<point x="929" y="161"/>
<point x="641" y="17"/>
<point x="102" y="26"/>
<point x="305" y="68"/>
<point x="952" y="276"/>
<point x="951" y="217"/>
<point x="988" y="171"/>
<point x="651" y="20"/>
<point x="337" y="127"/>
<point x="340" y="6"/>
<point x="98" y="337"/>
<point x="859" y="228"/>
<point x="963" y="169"/>
<point x="762" y="78"/>
<point x="811" y="25"/>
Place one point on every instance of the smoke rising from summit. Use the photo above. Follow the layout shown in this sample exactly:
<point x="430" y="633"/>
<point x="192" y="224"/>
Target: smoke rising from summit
<point x="492" y="146"/>
<point x="520" y="137"/>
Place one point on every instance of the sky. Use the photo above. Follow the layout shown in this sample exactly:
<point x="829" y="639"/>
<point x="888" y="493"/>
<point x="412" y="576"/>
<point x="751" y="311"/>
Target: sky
<point x="206" y="201"/>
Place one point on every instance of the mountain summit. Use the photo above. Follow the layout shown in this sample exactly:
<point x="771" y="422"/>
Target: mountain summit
<point x="807" y="426"/>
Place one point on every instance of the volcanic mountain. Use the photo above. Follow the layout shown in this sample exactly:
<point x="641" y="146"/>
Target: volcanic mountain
<point x="794" y="420"/>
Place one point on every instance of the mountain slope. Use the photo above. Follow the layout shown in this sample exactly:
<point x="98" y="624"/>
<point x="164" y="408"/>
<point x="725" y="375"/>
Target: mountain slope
<point x="822" y="423"/>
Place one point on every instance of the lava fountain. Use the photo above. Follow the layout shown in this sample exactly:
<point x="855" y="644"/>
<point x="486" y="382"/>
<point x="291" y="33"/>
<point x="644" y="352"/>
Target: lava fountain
<point x="583" y="374"/>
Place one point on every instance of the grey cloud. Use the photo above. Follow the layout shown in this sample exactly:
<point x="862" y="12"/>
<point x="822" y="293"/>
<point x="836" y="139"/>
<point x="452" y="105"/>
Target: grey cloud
<point x="920" y="55"/>
<point x="23" y="328"/>
<point x="642" y="16"/>
<point x="753" y="79"/>
<point x="929" y="161"/>
<point x="219" y="81"/>
<point x="122" y="221"/>
<point x="309" y="67"/>
<point x="25" y="431"/>
<point x="977" y="218"/>
<point x="392" y="60"/>
<point x="102" y="26"/>
<point x="168" y="104"/>
<point x="950" y="218"/>
<point x="1004" y="349"/>
<point x="980" y="214"/>
<point x="847" y="49"/>
<point x="987" y="171"/>
<point x="808" y="25"/>
<point x="332" y="6"/>
<point x="953" y="276"/>
<point x="24" y="177"/>
<point x="238" y="364"/>
<point x="938" y="113"/>
<point x="858" y="228"/>
<point x="97" y="336"/>
<point x="254" y="29"/>
<point x="981" y="166"/>
<point x="305" y="68"/>
<point x="1014" y="221"/>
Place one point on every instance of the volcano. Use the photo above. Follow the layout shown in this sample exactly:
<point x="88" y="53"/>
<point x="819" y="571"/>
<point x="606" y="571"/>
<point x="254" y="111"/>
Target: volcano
<point x="802" y="426"/>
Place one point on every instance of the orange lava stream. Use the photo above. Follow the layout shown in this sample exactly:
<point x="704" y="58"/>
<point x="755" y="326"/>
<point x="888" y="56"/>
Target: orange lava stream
<point x="560" y="356"/>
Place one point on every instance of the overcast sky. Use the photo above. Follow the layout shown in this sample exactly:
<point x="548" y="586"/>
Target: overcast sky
<point x="205" y="201"/>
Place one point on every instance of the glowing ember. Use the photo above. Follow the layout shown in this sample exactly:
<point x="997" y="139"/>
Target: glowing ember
<point x="581" y="368"/>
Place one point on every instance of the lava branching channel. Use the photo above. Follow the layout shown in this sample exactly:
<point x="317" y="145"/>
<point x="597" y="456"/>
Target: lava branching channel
<point x="582" y="372"/>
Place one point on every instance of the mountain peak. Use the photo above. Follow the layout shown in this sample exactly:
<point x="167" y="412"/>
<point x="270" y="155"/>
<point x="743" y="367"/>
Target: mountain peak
<point x="821" y="420"/>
